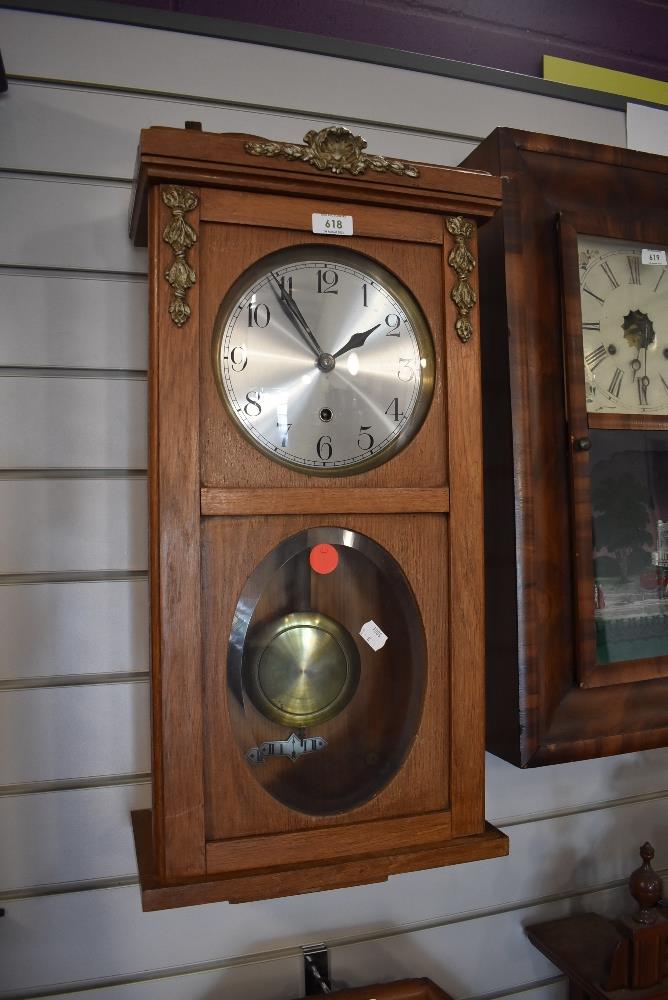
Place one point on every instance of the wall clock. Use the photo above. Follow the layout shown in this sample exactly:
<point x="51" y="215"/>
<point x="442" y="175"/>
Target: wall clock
<point x="316" y="516"/>
<point x="576" y="381"/>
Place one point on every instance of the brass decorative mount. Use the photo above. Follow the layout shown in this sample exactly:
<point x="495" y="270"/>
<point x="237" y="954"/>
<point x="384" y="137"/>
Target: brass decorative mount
<point x="462" y="262"/>
<point x="336" y="149"/>
<point x="180" y="236"/>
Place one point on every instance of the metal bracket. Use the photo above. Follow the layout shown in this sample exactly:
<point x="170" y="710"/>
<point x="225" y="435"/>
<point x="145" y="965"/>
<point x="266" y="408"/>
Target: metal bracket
<point x="316" y="970"/>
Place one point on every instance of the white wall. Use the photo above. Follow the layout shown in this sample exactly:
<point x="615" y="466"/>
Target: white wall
<point x="74" y="731"/>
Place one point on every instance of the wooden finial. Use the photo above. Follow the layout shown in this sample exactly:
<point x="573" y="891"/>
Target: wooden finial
<point x="646" y="887"/>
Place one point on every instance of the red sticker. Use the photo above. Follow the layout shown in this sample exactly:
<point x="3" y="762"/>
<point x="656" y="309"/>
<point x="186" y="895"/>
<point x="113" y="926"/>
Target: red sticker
<point x="323" y="558"/>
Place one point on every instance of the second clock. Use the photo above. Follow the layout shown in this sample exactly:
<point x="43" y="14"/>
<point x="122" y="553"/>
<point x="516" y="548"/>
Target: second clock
<point x="576" y="378"/>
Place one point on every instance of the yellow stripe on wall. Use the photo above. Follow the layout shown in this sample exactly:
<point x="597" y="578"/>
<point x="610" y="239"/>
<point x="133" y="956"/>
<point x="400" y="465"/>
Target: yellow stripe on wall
<point x="609" y="81"/>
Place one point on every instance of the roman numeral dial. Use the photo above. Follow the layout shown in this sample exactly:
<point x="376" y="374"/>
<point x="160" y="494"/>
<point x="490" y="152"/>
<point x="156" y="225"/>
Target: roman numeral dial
<point x="624" y="310"/>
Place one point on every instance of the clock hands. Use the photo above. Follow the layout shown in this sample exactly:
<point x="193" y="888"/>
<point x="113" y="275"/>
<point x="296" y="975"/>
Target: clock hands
<point x="293" y="312"/>
<point x="644" y="383"/>
<point x="357" y="340"/>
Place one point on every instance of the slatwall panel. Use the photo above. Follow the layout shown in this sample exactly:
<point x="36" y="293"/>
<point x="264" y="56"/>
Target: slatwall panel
<point x="74" y="730"/>
<point x="63" y="422"/>
<point x="72" y="320"/>
<point x="273" y="979"/>
<point x="72" y="629"/>
<point x="35" y="106"/>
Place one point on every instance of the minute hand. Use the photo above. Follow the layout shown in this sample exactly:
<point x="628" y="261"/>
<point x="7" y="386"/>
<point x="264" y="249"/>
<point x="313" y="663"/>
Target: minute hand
<point x="357" y="340"/>
<point x="293" y="311"/>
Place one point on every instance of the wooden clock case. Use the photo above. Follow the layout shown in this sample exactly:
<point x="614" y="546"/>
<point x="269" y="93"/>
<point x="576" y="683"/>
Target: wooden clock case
<point x="543" y="705"/>
<point x="208" y="209"/>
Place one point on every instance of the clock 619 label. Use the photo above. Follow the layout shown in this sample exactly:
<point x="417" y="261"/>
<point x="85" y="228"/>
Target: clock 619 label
<point x="324" y="360"/>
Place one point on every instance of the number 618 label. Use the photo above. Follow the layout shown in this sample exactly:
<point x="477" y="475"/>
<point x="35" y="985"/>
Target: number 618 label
<point x="332" y="225"/>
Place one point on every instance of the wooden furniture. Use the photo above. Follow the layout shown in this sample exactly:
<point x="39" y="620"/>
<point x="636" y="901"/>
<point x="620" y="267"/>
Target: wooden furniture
<point x="606" y="959"/>
<point x="572" y="412"/>
<point x="316" y="516"/>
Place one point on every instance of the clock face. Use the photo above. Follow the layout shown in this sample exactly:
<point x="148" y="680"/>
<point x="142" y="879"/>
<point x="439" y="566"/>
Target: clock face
<point x="324" y="360"/>
<point x="624" y="301"/>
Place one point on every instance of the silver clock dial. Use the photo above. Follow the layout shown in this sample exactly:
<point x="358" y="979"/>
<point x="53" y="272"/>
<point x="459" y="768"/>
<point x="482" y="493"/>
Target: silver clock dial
<point x="323" y="359"/>
<point x="624" y="327"/>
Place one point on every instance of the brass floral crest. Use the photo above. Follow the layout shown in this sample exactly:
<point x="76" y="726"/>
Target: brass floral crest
<point x="336" y="149"/>
<point x="462" y="262"/>
<point x="180" y="236"/>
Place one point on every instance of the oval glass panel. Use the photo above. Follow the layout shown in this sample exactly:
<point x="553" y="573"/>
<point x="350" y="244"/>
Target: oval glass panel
<point x="327" y="667"/>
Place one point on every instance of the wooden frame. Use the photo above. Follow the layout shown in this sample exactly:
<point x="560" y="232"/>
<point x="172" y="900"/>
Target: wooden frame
<point x="580" y="422"/>
<point x="538" y="712"/>
<point x="424" y="506"/>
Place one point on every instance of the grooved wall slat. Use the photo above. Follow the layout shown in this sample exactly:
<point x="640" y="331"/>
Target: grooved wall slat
<point x="67" y="525"/>
<point x="72" y="321"/>
<point x="89" y="835"/>
<point x="87" y="731"/>
<point x="550" y="856"/>
<point x="56" y="629"/>
<point x="41" y="116"/>
<point x="103" y="933"/>
<point x="80" y="423"/>
<point x="67" y="224"/>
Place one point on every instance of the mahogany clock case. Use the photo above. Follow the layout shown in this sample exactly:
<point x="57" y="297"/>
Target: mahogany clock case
<point x="548" y="699"/>
<point x="401" y="783"/>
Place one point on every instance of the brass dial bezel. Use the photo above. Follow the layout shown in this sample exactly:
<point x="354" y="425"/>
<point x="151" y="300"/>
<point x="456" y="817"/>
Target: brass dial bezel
<point x="394" y="286"/>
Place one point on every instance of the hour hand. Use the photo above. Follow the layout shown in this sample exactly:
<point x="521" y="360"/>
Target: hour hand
<point x="357" y="340"/>
<point x="293" y="312"/>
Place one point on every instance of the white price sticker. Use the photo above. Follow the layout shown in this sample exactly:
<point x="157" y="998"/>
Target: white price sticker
<point x="373" y="635"/>
<point x="332" y="225"/>
<point x="653" y="257"/>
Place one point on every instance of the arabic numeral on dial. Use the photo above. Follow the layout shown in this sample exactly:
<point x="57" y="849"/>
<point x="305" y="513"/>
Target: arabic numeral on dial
<point x="258" y="315"/>
<point x="394" y="411"/>
<point x="284" y="430"/>
<point x="239" y="359"/>
<point x="324" y="448"/>
<point x="392" y="322"/>
<point x="327" y="282"/>
<point x="365" y="296"/>
<point x="252" y="407"/>
<point x="286" y="284"/>
<point x="365" y="440"/>
<point x="406" y="372"/>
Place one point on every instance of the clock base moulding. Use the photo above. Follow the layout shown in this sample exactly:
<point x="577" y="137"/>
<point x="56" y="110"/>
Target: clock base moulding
<point x="270" y="883"/>
<point x="314" y="484"/>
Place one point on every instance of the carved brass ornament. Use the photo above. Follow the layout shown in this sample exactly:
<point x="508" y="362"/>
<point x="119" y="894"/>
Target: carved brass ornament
<point x="180" y="236"/>
<point x="334" y="148"/>
<point x="462" y="262"/>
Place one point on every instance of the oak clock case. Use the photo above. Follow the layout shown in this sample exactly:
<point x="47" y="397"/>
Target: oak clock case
<point x="576" y="378"/>
<point x="315" y="509"/>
